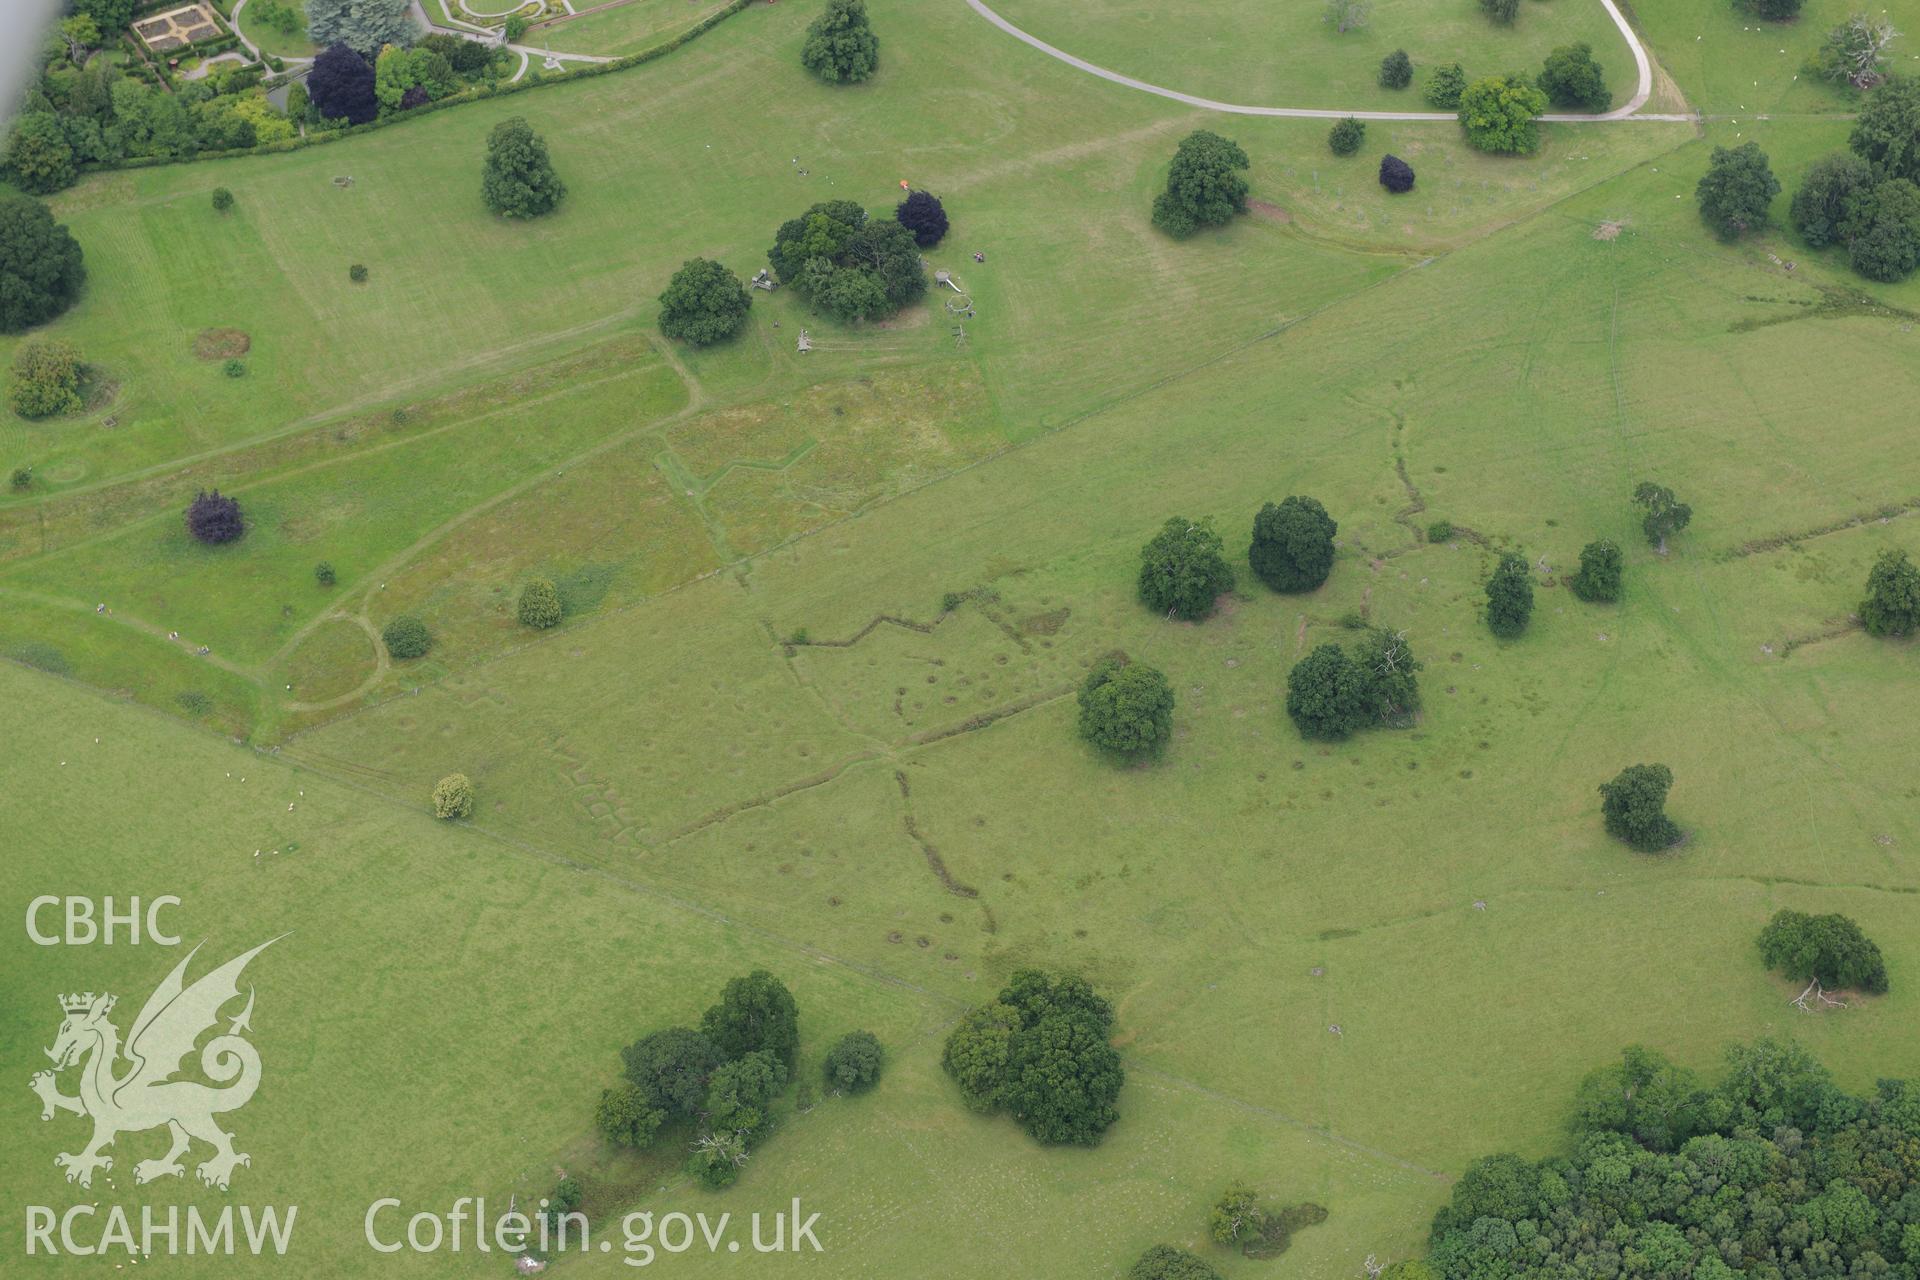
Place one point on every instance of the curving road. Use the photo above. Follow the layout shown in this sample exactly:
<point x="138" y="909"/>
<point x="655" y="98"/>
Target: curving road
<point x="1631" y="111"/>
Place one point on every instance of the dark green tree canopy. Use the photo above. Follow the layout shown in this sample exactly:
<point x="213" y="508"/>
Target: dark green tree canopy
<point x="1882" y="230"/>
<point x="40" y="264"/>
<point x="1042" y="1052"/>
<point x="1327" y="694"/>
<point x="1501" y="114"/>
<point x="975" y="1055"/>
<point x="1829" y="949"/>
<point x="1666" y="514"/>
<point x="1347" y="136"/>
<point x="518" y="180"/>
<point x="821" y="232"/>
<point x="841" y="47"/>
<point x="539" y="606"/>
<point x="672" y="1066"/>
<point x="923" y="214"/>
<point x="39" y="158"/>
<point x="1736" y="190"/>
<point x="1773" y="1172"/>
<point x="1292" y="547"/>
<point x="1391" y="675"/>
<point x="1444" y="87"/>
<point x="704" y="303"/>
<point x="755" y="1012"/>
<point x="1204" y="186"/>
<point x="1396" y="70"/>
<point x="1601" y="568"/>
<point x="1892" y="606"/>
<point x="1168" y="1262"/>
<point x="740" y="1093"/>
<point x="1826" y="196"/>
<point x="1657" y="1104"/>
<point x="1572" y="79"/>
<point x="1331" y="693"/>
<point x="1126" y="707"/>
<point x="1770" y="10"/>
<point x="1634" y="806"/>
<point x="853" y="1063"/>
<point x="1887" y="133"/>
<point x="406" y="637"/>
<point x="1183" y="569"/>
<point x="849" y="266"/>
<point x="1509" y="596"/>
<point x="626" y="1116"/>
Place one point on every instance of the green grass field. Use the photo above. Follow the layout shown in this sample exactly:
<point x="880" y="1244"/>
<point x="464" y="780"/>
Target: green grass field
<point x="759" y="738"/>
<point x="622" y="29"/>
<point x="1289" y="56"/>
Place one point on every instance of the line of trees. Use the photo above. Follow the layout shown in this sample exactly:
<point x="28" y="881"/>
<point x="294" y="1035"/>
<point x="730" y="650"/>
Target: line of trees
<point x="1867" y="199"/>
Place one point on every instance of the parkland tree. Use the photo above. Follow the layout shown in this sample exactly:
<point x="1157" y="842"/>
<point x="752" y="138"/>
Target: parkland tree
<point x="704" y="303"/>
<point x="1633" y="805"/>
<point x="518" y="180"/>
<point x="1292" y="547"/>
<point x="1509" y="596"/>
<point x="1042" y="1052"/>
<point x="1204" y="186"/>
<point x="755" y="1012"/>
<point x="40" y="264"/>
<point x="1830" y="950"/>
<point x="853" y="1064"/>
<point x="1183" y="569"/>
<point x="1887" y="133"/>
<point x="1126" y="707"/>
<point x="1396" y="70"/>
<point x="214" y="518"/>
<point x="1892" y="606"/>
<point x="1601" y="568"/>
<point x="1572" y="79"/>
<point x="1736" y="190"/>
<point x="1825" y="202"/>
<point x="923" y="214"/>
<point x="841" y="47"/>
<point x="849" y="266"/>
<point x="1665" y="514"/>
<point x="1396" y="175"/>
<point x="1327" y="694"/>
<point x="1501" y="114"/>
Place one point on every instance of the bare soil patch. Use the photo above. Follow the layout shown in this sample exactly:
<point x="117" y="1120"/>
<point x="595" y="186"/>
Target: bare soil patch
<point x="221" y="344"/>
<point x="1271" y="212"/>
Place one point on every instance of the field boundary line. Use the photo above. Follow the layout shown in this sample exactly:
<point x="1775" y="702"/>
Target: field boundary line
<point x="1643" y="66"/>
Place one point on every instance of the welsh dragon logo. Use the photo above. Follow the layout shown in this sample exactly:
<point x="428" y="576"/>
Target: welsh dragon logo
<point x="145" y="1095"/>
